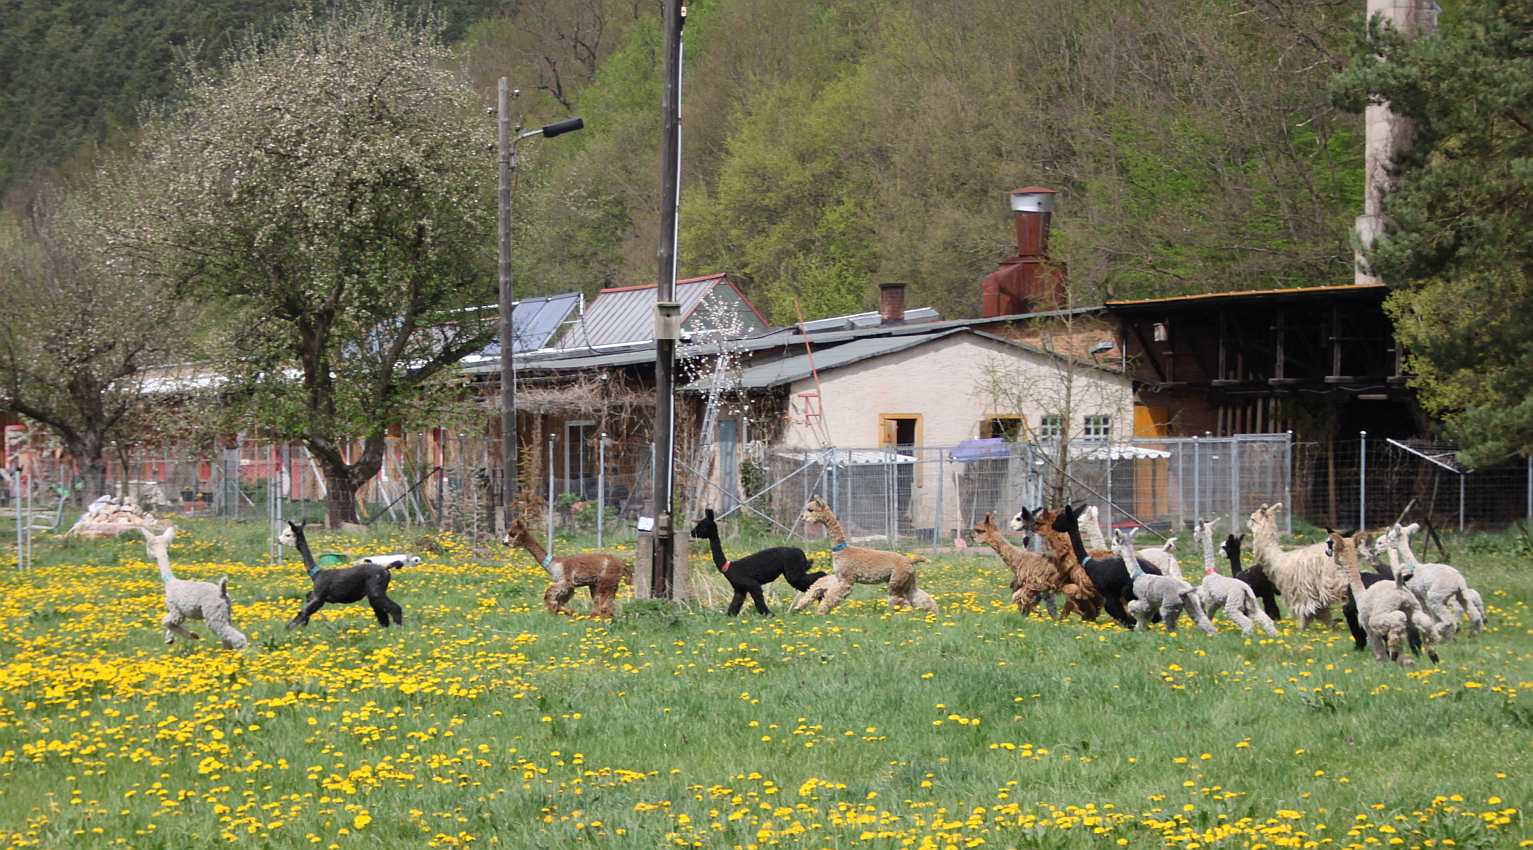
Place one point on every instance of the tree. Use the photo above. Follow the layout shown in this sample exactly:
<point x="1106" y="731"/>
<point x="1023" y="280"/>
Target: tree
<point x="331" y="192"/>
<point x="77" y="330"/>
<point x="1455" y="246"/>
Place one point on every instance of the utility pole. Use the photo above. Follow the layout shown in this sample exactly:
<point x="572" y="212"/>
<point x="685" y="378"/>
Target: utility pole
<point x="667" y="310"/>
<point x="507" y="310"/>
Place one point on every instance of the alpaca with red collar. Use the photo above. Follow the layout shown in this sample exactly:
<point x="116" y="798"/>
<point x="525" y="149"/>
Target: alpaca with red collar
<point x="750" y="574"/>
<point x="1220" y="592"/>
<point x="192" y="600"/>
<point x="600" y="572"/>
<point x="854" y="565"/>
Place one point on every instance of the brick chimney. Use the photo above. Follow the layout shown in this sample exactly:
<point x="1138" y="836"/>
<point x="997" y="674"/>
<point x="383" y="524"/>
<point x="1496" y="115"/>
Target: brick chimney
<point x="891" y="303"/>
<point x="1029" y="281"/>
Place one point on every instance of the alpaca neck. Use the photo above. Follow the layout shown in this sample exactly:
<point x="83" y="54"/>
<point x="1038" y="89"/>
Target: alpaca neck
<point x="1234" y="562"/>
<point x="1130" y="560"/>
<point x="301" y="543"/>
<point x="1091" y="529"/>
<point x="833" y="528"/>
<point x="995" y="541"/>
<point x="1264" y="544"/>
<point x="716" y="546"/>
<point x="163" y="559"/>
<point x="1354" y="578"/>
<point x="1403" y="546"/>
<point x="534" y="549"/>
<point x="1210" y="563"/>
<point x="1076" y="545"/>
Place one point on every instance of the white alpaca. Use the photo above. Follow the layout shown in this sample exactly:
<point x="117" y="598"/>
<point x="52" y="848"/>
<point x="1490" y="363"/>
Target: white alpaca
<point x="1231" y="594"/>
<point x="1306" y="576"/>
<point x="1170" y="596"/>
<point x="1440" y="588"/>
<point x="1383" y="609"/>
<point x="192" y="600"/>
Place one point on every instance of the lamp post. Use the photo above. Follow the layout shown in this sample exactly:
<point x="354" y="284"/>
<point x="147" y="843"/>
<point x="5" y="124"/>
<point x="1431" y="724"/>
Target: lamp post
<point x="507" y="304"/>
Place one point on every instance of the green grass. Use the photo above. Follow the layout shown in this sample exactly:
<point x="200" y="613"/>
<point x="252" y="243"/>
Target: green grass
<point x="486" y="722"/>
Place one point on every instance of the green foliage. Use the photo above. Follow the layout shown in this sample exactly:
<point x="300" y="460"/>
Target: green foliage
<point x="1456" y="244"/>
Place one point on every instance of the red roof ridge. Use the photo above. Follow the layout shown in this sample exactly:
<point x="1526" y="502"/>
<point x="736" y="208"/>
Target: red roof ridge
<point x="714" y="276"/>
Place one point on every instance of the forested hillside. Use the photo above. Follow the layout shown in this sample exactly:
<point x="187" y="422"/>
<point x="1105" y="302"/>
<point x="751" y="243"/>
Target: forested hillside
<point x="829" y="146"/>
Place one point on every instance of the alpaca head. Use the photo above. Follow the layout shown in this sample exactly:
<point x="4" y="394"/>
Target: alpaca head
<point x="1232" y="547"/>
<point x="705" y="529"/>
<point x="816" y="511"/>
<point x="289" y="535"/>
<point x="158" y="544"/>
<point x="1123" y="544"/>
<point x="986" y="527"/>
<point x="1342" y="548"/>
<point x="1065" y="520"/>
<point x="1023" y="520"/>
<point x="516" y="532"/>
<point x="1263" y="517"/>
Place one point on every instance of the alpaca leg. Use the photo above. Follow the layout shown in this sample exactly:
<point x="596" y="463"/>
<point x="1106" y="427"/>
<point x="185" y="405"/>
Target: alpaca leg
<point x="815" y="592"/>
<point x="1114" y="607"/>
<point x="834" y="594"/>
<point x="1447" y="622"/>
<point x="396" y="613"/>
<point x="736" y="602"/>
<point x="172" y="623"/>
<point x="1199" y="618"/>
<point x="380" y="608"/>
<point x="311" y="604"/>
<point x="1474" y="606"/>
<point x="761" y="606"/>
<point x="219" y="624"/>
<point x="1141" y="611"/>
<point x="1169" y="614"/>
<point x="604" y="595"/>
<point x="922" y="601"/>
<point x="1429" y="637"/>
<point x="1234" y="608"/>
<point x="556" y="595"/>
<point x="1264" y="621"/>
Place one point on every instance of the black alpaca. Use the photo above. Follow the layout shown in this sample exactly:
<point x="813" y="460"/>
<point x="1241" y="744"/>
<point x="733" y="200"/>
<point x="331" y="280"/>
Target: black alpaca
<point x="1254" y="576"/>
<point x="1110" y="575"/>
<point x="345" y="585"/>
<point x="1349" y="611"/>
<point x="749" y="574"/>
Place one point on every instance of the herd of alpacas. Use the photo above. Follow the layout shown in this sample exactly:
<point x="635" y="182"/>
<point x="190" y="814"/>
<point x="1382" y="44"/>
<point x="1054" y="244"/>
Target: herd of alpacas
<point x="1399" y="608"/>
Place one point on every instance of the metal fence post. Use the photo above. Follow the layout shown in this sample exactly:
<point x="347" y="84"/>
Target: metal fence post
<point x="1234" y="480"/>
<point x="1109" y="489"/>
<point x="1288" y="485"/>
<point x="601" y="485"/>
<point x="550" y="546"/>
<point x="16" y="505"/>
<point x="1362" y="479"/>
<point x="1461" y="478"/>
<point x="1197" y="484"/>
<point x="937" y="516"/>
<point x="1181" y="486"/>
<point x="1530" y="489"/>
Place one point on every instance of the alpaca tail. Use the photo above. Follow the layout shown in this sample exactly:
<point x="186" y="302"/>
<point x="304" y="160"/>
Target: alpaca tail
<point x="917" y="559"/>
<point x="1412" y="636"/>
<point x="223" y="588"/>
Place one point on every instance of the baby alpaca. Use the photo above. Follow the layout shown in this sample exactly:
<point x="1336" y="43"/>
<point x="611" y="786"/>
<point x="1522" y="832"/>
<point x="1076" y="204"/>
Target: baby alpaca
<point x="1091" y="532"/>
<point x="749" y="574"/>
<point x="192" y="600"/>
<point x="343" y="585"/>
<point x="1385" y="610"/>
<point x="1109" y="575"/>
<point x="1217" y="591"/>
<point x="854" y="565"/>
<point x="1034" y="576"/>
<point x="1170" y="596"/>
<point x="1081" y="594"/>
<point x="601" y="572"/>
<point x="1441" y="589"/>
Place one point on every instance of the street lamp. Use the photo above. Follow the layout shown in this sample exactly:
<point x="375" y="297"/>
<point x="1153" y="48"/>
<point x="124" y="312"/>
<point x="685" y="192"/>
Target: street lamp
<point x="507" y="303"/>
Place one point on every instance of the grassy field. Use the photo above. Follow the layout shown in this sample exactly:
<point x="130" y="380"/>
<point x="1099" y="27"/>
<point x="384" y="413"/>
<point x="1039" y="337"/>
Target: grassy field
<point x="485" y="722"/>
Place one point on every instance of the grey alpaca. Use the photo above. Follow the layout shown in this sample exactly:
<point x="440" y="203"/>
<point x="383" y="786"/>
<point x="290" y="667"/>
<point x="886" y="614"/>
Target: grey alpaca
<point x="1170" y="596"/>
<point x="1440" y="588"/>
<point x="192" y="600"/>
<point x="1234" y="596"/>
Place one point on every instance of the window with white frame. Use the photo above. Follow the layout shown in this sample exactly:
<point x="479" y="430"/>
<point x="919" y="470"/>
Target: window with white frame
<point x="1098" y="426"/>
<point x="1051" y="426"/>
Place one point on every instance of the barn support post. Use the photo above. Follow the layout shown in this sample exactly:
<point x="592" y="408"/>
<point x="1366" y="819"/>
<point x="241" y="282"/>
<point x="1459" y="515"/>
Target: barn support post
<point x="550" y="546"/>
<point x="1197" y="485"/>
<point x="1235" y="481"/>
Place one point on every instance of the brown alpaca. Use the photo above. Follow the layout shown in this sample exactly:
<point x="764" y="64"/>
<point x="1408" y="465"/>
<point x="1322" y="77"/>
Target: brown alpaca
<point x="1034" y="576"/>
<point x="854" y="565"/>
<point x="601" y="572"/>
<point x="1081" y="594"/>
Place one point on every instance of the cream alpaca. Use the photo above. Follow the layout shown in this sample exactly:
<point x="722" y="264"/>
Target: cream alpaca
<point x="1441" y="589"/>
<point x="854" y="565"/>
<point x="1152" y="593"/>
<point x="1383" y="610"/>
<point x="1306" y="576"/>
<point x="192" y="600"/>
<point x="1232" y="595"/>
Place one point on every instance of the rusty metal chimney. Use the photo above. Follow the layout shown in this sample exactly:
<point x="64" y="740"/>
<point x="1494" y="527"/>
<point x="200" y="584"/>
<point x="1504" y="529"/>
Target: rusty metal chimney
<point x="891" y="303"/>
<point x="1023" y="283"/>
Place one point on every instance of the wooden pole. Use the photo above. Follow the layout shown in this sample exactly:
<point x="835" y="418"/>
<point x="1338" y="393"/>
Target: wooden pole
<point x="667" y="311"/>
<point x="508" y="441"/>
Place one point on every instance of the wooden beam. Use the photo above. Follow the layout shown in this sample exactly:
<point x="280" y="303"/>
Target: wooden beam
<point x="1148" y="351"/>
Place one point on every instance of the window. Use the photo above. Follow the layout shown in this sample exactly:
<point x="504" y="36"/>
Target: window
<point x="1008" y="428"/>
<point x="1099" y="426"/>
<point x="1051" y="426"/>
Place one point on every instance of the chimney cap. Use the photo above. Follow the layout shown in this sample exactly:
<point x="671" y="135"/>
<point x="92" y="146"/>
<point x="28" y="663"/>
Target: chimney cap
<point x="884" y="286"/>
<point x="1032" y="199"/>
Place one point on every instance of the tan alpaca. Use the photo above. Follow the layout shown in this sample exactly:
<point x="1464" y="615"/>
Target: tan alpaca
<point x="854" y="565"/>
<point x="601" y="572"/>
<point x="1033" y="576"/>
<point x="1081" y="594"/>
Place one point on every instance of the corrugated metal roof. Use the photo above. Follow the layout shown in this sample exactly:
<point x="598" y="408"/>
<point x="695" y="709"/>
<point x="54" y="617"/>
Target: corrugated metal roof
<point x="534" y="322"/>
<point x="790" y="369"/>
<point x="1343" y="288"/>
<point x="870" y="319"/>
<point x="627" y="314"/>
